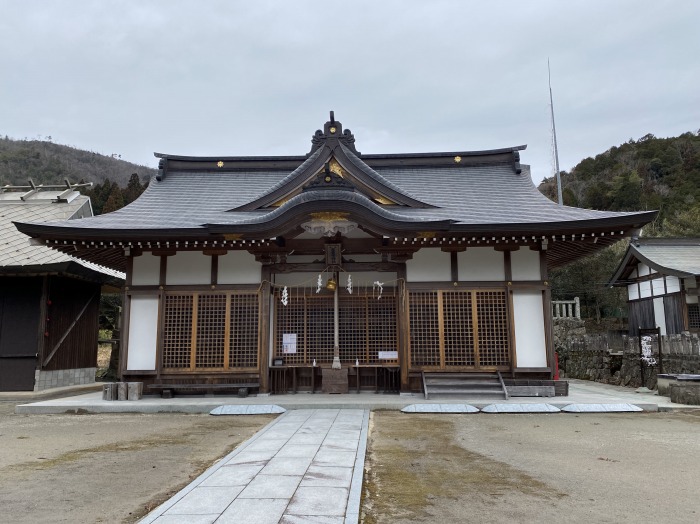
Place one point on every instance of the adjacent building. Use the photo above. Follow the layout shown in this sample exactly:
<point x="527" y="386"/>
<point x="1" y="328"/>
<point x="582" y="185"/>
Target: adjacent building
<point x="49" y="300"/>
<point x="662" y="277"/>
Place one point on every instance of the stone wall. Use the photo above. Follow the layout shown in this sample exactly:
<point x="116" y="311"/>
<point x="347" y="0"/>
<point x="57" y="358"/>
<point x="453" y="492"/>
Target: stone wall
<point x="615" y="360"/>
<point x="63" y="377"/>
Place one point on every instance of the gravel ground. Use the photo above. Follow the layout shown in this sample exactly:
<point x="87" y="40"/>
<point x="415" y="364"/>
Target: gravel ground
<point x="533" y="468"/>
<point x="106" y="468"/>
<point x="419" y="468"/>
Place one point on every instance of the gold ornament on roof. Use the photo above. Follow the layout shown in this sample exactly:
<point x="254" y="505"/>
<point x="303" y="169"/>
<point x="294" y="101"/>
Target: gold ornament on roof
<point x="458" y="159"/>
<point x="220" y="163"/>
<point x="335" y="167"/>
<point x="333" y="130"/>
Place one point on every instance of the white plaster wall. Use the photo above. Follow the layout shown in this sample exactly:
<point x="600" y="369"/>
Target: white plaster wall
<point x="188" y="268"/>
<point x="691" y="299"/>
<point x="633" y="274"/>
<point x="525" y="264"/>
<point x="143" y="333"/>
<point x="481" y="264"/>
<point x="673" y="285"/>
<point x="657" y="286"/>
<point x="530" y="344"/>
<point x="633" y="291"/>
<point x="429" y="265"/>
<point x="239" y="267"/>
<point x="645" y="289"/>
<point x="643" y="269"/>
<point x="689" y="283"/>
<point x="660" y="314"/>
<point x="146" y="270"/>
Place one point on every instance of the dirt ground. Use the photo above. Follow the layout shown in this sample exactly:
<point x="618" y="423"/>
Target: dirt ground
<point x="419" y="468"/>
<point x="532" y="468"/>
<point x="106" y="468"/>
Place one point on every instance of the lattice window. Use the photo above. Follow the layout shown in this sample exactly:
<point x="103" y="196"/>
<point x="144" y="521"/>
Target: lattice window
<point x="243" y="331"/>
<point x="458" y="328"/>
<point x="424" y="328"/>
<point x="382" y="326"/>
<point x="492" y="314"/>
<point x="225" y="327"/>
<point x="211" y="328"/>
<point x="177" y="331"/>
<point x="291" y="319"/>
<point x="693" y="316"/>
<point x="319" y="328"/>
<point x="352" y="320"/>
<point x="366" y="324"/>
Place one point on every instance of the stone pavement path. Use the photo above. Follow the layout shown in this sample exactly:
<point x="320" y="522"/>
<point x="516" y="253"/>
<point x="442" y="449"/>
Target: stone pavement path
<point x="306" y="466"/>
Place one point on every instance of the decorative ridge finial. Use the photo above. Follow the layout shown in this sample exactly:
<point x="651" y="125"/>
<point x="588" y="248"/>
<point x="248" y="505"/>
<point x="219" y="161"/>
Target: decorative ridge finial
<point x="332" y="135"/>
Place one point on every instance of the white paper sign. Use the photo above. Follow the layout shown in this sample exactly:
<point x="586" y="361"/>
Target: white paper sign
<point x="289" y="343"/>
<point x="388" y="355"/>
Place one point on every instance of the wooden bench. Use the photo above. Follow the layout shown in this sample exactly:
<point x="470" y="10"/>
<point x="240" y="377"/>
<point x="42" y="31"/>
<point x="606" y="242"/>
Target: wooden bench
<point x="167" y="390"/>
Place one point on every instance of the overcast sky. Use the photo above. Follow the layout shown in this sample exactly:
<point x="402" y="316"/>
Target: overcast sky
<point x="259" y="77"/>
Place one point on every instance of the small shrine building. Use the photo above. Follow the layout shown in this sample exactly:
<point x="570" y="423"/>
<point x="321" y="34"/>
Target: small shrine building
<point x="243" y="269"/>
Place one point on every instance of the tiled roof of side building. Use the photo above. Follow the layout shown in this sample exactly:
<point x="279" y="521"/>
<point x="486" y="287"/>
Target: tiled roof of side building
<point x="669" y="256"/>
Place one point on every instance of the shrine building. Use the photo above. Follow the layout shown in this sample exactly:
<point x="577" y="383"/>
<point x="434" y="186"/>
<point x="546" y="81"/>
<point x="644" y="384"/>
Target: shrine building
<point x="262" y="270"/>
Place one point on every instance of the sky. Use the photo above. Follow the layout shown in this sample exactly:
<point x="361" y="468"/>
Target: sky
<point x="259" y="77"/>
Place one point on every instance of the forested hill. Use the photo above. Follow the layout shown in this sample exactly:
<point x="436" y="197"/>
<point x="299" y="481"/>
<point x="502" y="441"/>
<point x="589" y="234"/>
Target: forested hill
<point x="48" y="163"/>
<point x="649" y="173"/>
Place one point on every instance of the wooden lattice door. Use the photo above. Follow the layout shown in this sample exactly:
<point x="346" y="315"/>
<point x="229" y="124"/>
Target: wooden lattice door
<point x="459" y="329"/>
<point x="210" y="332"/>
<point x="368" y="328"/>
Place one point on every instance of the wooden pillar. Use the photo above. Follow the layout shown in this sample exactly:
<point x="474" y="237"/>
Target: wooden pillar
<point x="508" y="273"/>
<point x="126" y="311"/>
<point x="547" y="310"/>
<point x="403" y="327"/>
<point x="43" y="314"/>
<point x="264" y="329"/>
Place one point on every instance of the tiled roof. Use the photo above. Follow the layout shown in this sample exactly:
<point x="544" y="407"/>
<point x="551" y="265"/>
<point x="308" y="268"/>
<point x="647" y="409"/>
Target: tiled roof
<point x="15" y="250"/>
<point x="480" y="195"/>
<point x="670" y="256"/>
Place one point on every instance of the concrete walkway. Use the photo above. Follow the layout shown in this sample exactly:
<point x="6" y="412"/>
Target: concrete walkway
<point x="306" y="466"/>
<point x="580" y="392"/>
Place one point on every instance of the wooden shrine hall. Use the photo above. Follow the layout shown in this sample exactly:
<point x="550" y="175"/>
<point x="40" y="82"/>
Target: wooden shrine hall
<point x="268" y="271"/>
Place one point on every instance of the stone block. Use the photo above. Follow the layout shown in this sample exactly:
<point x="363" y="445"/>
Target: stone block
<point x="135" y="390"/>
<point x="109" y="391"/>
<point x="688" y="394"/>
<point x="122" y="391"/>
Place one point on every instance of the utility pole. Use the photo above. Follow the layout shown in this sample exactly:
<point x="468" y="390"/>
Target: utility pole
<point x="554" y="134"/>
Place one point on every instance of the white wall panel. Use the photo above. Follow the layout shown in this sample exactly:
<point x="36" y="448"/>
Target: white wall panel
<point x="645" y="289"/>
<point x="481" y="264"/>
<point x="525" y="264"/>
<point x="146" y="270"/>
<point x="643" y="269"/>
<point x="143" y="333"/>
<point x="659" y="314"/>
<point x="530" y="342"/>
<point x="633" y="291"/>
<point x="188" y="268"/>
<point x="673" y="285"/>
<point x="657" y="286"/>
<point x="239" y="267"/>
<point x="429" y="265"/>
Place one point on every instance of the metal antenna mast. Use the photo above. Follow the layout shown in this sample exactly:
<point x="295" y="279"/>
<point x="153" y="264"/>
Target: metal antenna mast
<point x="554" y="134"/>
